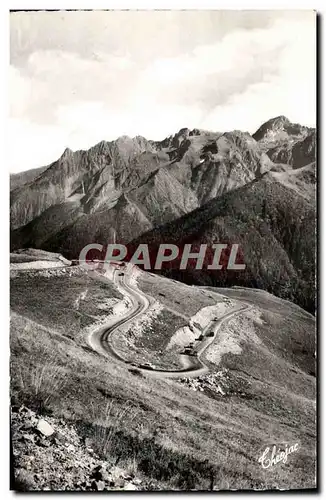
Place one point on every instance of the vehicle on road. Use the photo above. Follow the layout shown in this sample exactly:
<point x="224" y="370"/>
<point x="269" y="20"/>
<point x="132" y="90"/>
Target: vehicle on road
<point x="147" y="366"/>
<point x="189" y="351"/>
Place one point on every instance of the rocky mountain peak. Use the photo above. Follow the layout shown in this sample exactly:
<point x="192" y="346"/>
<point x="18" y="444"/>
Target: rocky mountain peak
<point x="279" y="121"/>
<point x="286" y="142"/>
<point x="102" y="146"/>
<point x="281" y="129"/>
<point x="272" y="128"/>
<point x="163" y="179"/>
<point x="180" y="136"/>
<point x="68" y="153"/>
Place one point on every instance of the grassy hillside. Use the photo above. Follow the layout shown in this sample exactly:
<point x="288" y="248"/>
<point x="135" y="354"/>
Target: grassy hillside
<point x="178" y="438"/>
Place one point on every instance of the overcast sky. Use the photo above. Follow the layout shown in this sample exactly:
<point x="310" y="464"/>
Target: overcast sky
<point x="77" y="78"/>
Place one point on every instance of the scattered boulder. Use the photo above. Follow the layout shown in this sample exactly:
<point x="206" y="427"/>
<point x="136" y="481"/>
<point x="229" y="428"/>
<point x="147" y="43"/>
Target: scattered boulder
<point x="98" y="485"/>
<point x="100" y="473"/>
<point x="119" y="482"/>
<point x="130" y="487"/>
<point x="28" y="437"/>
<point x="44" y="428"/>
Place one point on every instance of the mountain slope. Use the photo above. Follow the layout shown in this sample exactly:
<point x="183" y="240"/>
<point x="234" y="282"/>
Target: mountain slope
<point x="207" y="164"/>
<point x="274" y="227"/>
<point x="18" y="180"/>
<point x="258" y="191"/>
<point x="163" y="179"/>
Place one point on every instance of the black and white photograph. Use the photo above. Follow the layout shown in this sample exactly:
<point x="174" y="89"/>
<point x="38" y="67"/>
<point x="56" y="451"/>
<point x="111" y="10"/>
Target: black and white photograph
<point x="163" y="250"/>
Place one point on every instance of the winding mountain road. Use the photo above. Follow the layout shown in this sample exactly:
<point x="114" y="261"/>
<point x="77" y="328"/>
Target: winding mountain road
<point x="193" y="366"/>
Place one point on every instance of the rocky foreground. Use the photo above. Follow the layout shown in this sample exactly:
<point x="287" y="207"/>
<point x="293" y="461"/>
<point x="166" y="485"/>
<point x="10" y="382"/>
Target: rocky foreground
<point x="49" y="454"/>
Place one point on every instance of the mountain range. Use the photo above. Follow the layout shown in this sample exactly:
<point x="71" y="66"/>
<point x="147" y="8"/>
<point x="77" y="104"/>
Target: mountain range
<point x="193" y="187"/>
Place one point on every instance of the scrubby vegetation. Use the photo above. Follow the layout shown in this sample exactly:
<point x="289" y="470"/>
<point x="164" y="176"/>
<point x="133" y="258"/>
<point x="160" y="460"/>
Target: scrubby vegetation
<point x="178" y="438"/>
